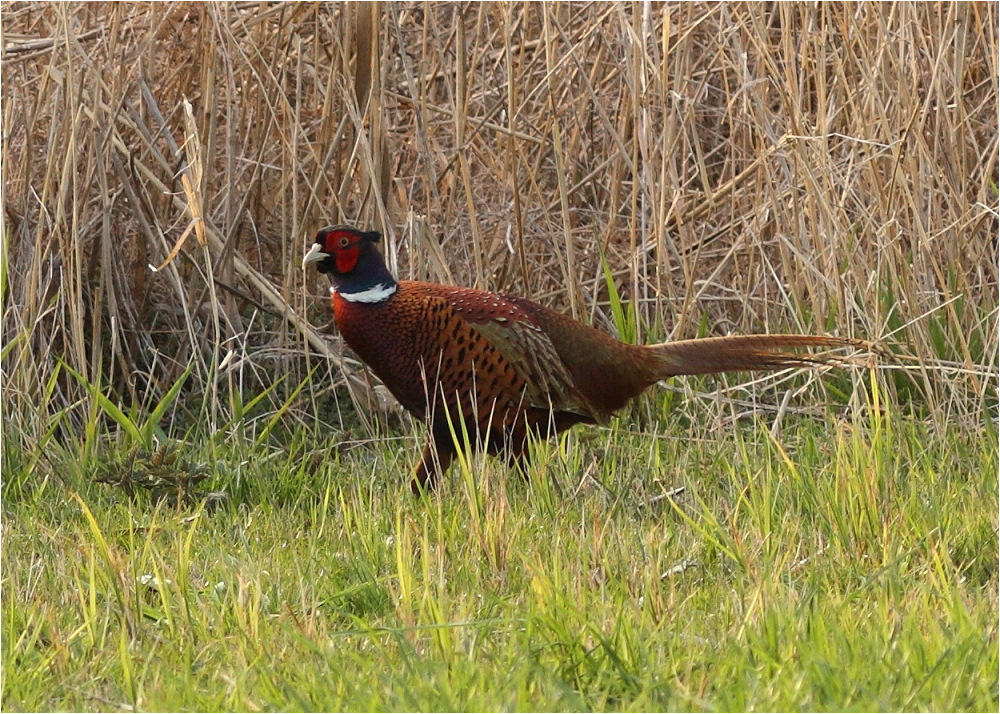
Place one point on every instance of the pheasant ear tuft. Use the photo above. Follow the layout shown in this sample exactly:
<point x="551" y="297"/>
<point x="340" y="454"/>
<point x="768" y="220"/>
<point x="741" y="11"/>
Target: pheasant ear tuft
<point x="373" y="236"/>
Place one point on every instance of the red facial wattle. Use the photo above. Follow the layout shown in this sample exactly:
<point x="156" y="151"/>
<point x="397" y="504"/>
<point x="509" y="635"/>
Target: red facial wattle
<point x="347" y="258"/>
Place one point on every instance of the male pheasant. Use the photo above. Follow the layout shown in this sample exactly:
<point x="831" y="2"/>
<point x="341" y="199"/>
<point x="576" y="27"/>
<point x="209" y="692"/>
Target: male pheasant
<point x="500" y="366"/>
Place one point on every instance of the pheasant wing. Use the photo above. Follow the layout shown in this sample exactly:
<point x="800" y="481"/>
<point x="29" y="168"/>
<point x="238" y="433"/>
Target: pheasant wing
<point x="531" y="353"/>
<point x="522" y="342"/>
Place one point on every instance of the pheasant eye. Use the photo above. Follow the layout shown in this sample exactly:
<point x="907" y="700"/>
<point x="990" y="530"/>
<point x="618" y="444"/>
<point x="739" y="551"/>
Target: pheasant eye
<point x="344" y="241"/>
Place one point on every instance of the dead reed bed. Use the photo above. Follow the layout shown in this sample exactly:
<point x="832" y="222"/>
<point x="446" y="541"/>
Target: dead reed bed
<point x="742" y="167"/>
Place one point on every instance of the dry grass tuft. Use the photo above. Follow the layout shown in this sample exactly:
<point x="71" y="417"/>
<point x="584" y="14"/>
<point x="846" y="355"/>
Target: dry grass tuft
<point x="824" y="168"/>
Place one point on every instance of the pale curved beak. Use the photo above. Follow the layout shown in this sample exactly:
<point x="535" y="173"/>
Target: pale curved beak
<point x="314" y="255"/>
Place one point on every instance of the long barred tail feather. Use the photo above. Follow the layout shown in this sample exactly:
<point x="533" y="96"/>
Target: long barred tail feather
<point x="747" y="352"/>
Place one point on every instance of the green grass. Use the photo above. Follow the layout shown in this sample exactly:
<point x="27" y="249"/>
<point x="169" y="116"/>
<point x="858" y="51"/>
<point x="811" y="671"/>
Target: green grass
<point x="842" y="566"/>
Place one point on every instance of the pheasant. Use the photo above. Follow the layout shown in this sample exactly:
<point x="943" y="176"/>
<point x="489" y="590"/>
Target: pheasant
<point x="502" y="367"/>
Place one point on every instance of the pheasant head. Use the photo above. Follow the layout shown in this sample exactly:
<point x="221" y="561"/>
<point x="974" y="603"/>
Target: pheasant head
<point x="355" y="267"/>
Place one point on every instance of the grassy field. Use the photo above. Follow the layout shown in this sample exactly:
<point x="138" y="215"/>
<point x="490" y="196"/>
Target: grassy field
<point x="204" y="497"/>
<point x="844" y="564"/>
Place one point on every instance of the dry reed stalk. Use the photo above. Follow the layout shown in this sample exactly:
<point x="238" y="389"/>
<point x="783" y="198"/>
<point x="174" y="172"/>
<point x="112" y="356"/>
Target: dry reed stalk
<point x="743" y="167"/>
